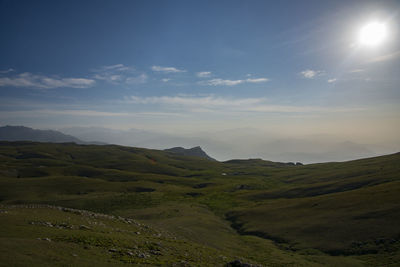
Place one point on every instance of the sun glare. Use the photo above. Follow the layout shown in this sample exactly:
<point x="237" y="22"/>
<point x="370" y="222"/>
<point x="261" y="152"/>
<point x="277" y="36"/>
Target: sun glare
<point x="372" y="34"/>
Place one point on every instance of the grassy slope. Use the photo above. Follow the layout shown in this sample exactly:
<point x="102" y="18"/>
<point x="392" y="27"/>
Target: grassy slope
<point x="339" y="208"/>
<point x="46" y="236"/>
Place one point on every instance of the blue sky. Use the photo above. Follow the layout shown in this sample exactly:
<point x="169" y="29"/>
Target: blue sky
<point x="281" y="66"/>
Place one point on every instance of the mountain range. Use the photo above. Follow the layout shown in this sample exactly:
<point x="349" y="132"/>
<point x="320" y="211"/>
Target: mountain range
<point x="222" y="145"/>
<point x="21" y="133"/>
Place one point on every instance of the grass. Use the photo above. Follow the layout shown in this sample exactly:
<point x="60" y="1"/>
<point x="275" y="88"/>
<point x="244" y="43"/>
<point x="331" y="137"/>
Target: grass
<point x="268" y="213"/>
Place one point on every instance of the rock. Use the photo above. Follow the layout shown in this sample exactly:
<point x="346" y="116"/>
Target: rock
<point x="143" y="255"/>
<point x="84" y="227"/>
<point x="155" y="252"/>
<point x="194" y="194"/>
<point x="238" y="263"/>
<point x="243" y="187"/>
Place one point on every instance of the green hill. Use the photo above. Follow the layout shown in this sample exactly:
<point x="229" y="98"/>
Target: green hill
<point x="260" y="212"/>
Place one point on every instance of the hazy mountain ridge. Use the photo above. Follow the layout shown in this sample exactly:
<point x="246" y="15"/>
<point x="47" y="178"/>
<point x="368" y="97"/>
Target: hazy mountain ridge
<point x="223" y="145"/>
<point x="22" y="133"/>
<point x="194" y="152"/>
<point x="241" y="143"/>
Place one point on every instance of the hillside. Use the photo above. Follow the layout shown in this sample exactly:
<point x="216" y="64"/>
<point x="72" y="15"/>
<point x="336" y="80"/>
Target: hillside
<point x="257" y="211"/>
<point x="192" y="152"/>
<point x="21" y="133"/>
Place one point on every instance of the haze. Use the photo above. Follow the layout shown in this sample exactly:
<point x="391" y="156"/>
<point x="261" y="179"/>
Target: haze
<point x="284" y="81"/>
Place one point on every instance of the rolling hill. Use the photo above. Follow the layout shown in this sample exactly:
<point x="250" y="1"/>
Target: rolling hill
<point x="254" y="211"/>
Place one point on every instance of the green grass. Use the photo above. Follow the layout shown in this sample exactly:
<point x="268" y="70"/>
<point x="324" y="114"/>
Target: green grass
<point x="275" y="214"/>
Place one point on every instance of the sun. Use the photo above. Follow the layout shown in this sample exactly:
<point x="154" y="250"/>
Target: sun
<point x="373" y="34"/>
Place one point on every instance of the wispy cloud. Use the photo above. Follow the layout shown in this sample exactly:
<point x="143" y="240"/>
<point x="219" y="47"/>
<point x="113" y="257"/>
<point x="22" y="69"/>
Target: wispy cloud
<point x="216" y="82"/>
<point x="203" y="74"/>
<point x="119" y="74"/>
<point x="116" y="67"/>
<point x="80" y="113"/>
<point x="44" y="82"/>
<point x="257" y="80"/>
<point x="166" y="69"/>
<point x="226" y="104"/>
<point x="386" y="57"/>
<point x="165" y="80"/>
<point x="332" y="80"/>
<point x="142" y="78"/>
<point x="108" y="77"/>
<point x="311" y="74"/>
<point x="6" y="71"/>
<point x="209" y="101"/>
<point x="356" y="71"/>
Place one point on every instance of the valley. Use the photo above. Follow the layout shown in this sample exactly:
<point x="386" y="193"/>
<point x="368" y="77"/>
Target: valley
<point x="206" y="212"/>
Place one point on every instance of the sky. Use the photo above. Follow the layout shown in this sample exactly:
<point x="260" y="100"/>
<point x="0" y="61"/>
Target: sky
<point x="288" y="68"/>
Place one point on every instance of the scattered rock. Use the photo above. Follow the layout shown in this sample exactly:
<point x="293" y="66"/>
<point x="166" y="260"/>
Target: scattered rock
<point x="238" y="263"/>
<point x="243" y="187"/>
<point x="84" y="227"/>
<point x="143" y="255"/>
<point x="194" y="194"/>
<point x="203" y="185"/>
<point x="155" y="252"/>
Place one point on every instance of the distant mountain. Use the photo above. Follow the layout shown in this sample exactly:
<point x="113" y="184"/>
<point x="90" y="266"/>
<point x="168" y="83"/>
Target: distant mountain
<point x="21" y="133"/>
<point x="194" y="151"/>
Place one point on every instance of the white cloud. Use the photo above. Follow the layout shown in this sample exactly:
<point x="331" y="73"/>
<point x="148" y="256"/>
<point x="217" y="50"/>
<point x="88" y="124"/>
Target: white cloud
<point x="356" y="71"/>
<point x="108" y="77"/>
<point x="216" y="82"/>
<point x="116" y="67"/>
<point x="332" y="80"/>
<point x="80" y="113"/>
<point x="44" y="82"/>
<point x="142" y="78"/>
<point x="386" y="57"/>
<point x="310" y="74"/>
<point x="257" y="80"/>
<point x="6" y="71"/>
<point x="203" y="74"/>
<point x="209" y="101"/>
<point x="119" y="73"/>
<point x="213" y="103"/>
<point x="166" y="69"/>
<point x="165" y="80"/>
